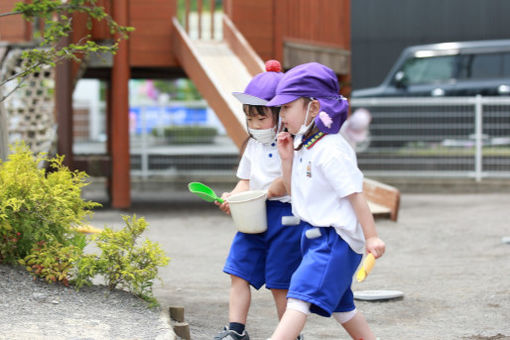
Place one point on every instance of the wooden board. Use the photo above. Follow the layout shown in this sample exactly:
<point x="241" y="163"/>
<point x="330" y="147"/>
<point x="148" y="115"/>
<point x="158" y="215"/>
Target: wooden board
<point x="383" y="199"/>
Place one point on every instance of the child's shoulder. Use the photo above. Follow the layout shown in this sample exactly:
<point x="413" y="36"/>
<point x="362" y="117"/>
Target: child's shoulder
<point x="333" y="146"/>
<point x="335" y="142"/>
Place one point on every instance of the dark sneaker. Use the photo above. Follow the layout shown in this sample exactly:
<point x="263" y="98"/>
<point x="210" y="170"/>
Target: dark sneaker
<point x="228" y="334"/>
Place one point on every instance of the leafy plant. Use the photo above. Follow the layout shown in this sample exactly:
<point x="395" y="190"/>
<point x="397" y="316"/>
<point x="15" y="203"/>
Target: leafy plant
<point x="121" y="262"/>
<point x="38" y="210"/>
<point x="38" y="205"/>
<point x="52" y="261"/>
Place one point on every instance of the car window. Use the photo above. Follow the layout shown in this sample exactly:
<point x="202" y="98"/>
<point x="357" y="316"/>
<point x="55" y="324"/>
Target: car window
<point x="506" y="64"/>
<point x="429" y="69"/>
<point x="485" y="66"/>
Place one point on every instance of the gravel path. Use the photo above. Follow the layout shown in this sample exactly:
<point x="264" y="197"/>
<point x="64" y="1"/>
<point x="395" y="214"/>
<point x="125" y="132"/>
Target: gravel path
<point x="36" y="310"/>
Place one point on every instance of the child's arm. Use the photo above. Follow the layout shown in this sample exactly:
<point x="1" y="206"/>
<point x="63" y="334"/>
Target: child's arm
<point x="242" y="185"/>
<point x="286" y="151"/>
<point x="277" y="188"/>
<point x="374" y="244"/>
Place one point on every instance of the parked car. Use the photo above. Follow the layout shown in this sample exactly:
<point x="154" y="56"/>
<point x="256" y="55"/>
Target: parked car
<point x="445" y="69"/>
<point x="464" y="68"/>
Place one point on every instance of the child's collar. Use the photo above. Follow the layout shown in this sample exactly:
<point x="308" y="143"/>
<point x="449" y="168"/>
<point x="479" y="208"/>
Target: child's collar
<point x="310" y="142"/>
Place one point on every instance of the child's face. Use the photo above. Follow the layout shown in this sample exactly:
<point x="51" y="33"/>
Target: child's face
<point x="293" y="114"/>
<point x="259" y="122"/>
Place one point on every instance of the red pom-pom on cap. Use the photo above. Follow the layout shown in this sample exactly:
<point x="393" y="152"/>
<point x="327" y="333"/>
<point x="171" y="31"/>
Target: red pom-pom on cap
<point x="273" y="66"/>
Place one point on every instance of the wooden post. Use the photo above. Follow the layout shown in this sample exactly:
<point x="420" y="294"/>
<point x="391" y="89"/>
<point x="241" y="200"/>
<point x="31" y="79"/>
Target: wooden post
<point x="64" y="108"/>
<point x="120" y="185"/>
<point x="186" y="16"/>
<point x="199" y="12"/>
<point x="212" y="18"/>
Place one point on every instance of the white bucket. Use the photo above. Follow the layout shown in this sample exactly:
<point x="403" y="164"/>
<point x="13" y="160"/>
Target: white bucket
<point x="248" y="210"/>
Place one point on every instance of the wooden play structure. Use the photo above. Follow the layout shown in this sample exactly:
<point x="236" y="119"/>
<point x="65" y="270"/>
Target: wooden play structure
<point x="292" y="31"/>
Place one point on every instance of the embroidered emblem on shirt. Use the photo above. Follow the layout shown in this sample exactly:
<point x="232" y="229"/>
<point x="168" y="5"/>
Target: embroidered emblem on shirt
<point x="309" y="169"/>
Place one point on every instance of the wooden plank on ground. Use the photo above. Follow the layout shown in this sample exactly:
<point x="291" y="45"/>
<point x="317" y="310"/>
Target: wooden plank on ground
<point x="384" y="200"/>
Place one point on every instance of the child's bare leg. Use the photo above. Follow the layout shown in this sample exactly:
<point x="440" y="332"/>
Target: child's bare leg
<point x="358" y="328"/>
<point x="291" y="324"/>
<point x="280" y="300"/>
<point x="240" y="299"/>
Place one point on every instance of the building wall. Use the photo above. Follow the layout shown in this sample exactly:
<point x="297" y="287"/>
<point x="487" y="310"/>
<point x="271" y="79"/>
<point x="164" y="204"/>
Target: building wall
<point x="297" y="31"/>
<point x="12" y="28"/>
<point x="382" y="29"/>
<point x="150" y="43"/>
<point x="255" y="20"/>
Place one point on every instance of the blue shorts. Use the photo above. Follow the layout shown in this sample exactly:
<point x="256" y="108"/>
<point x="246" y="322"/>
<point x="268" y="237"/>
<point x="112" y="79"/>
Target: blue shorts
<point x="269" y="257"/>
<point x="324" y="276"/>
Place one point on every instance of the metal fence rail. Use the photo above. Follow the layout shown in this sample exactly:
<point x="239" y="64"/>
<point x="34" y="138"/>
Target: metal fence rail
<point x="437" y="137"/>
<point x="465" y="137"/>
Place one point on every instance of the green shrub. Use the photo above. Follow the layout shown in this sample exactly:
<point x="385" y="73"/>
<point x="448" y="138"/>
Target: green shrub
<point x="52" y="261"/>
<point x="121" y="262"/>
<point x="190" y="134"/>
<point x="38" y="205"/>
<point x="38" y="212"/>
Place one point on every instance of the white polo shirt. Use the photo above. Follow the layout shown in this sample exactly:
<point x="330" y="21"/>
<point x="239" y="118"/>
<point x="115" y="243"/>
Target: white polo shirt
<point x="261" y="165"/>
<point x="322" y="176"/>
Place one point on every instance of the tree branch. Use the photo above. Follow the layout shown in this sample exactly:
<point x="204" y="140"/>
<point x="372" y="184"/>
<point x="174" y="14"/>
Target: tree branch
<point x="15" y="88"/>
<point x="10" y="13"/>
<point x="19" y="74"/>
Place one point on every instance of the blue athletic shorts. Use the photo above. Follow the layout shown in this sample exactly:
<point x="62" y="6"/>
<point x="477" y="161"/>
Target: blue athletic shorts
<point x="269" y="257"/>
<point x="324" y="276"/>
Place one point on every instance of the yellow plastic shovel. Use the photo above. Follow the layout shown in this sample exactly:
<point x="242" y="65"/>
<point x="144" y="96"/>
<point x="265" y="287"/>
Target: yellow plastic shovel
<point x="365" y="268"/>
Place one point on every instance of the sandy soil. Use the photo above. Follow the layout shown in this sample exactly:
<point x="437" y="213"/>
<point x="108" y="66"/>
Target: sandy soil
<point x="445" y="254"/>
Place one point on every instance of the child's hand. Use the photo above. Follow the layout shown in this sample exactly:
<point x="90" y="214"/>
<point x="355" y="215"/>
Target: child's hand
<point x="285" y="145"/>
<point x="225" y="207"/>
<point x="375" y="246"/>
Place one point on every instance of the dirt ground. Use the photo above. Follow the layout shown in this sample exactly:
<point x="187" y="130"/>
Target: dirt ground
<point x="445" y="254"/>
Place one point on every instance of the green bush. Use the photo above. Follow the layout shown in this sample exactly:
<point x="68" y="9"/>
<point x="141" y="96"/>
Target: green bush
<point x="122" y="263"/>
<point x="38" y="205"/>
<point x="52" y="261"/>
<point x="190" y="134"/>
<point x="38" y="212"/>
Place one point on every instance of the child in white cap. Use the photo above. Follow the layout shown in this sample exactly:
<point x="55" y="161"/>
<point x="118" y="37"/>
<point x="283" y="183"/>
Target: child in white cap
<point x="321" y="173"/>
<point x="270" y="257"/>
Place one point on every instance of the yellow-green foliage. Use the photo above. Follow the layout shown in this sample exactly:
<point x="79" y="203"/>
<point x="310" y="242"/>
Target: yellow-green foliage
<point x="38" y="210"/>
<point x="123" y="263"/>
<point x="38" y="205"/>
<point x="52" y="261"/>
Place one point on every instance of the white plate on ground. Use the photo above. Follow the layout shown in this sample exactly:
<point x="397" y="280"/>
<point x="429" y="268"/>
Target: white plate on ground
<point x="377" y="295"/>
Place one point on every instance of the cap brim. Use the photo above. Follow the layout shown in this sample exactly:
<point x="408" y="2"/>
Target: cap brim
<point x="249" y="99"/>
<point x="282" y="99"/>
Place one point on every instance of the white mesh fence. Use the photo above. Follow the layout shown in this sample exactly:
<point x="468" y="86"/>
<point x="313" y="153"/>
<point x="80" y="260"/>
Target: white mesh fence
<point x="437" y="137"/>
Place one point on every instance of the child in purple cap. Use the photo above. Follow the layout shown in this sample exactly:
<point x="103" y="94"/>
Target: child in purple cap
<point x="320" y="167"/>
<point x="270" y="257"/>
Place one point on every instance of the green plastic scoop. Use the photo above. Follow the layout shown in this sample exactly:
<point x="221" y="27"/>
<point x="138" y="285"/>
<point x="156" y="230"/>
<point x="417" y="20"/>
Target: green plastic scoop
<point x="204" y="192"/>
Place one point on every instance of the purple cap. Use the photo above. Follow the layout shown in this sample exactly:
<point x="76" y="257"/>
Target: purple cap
<point x="262" y="87"/>
<point x="319" y="82"/>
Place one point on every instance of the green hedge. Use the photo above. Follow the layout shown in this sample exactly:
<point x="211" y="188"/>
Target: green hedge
<point x="190" y="134"/>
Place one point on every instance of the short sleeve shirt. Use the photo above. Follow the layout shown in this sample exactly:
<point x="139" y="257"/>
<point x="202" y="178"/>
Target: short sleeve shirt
<point x="261" y="165"/>
<point x="322" y="178"/>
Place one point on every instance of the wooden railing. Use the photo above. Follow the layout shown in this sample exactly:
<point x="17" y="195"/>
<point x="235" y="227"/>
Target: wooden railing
<point x="200" y="14"/>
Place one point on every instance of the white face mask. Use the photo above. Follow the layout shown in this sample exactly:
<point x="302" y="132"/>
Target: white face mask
<point x="265" y="136"/>
<point x="303" y="129"/>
